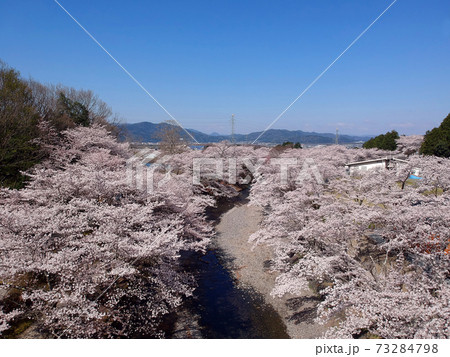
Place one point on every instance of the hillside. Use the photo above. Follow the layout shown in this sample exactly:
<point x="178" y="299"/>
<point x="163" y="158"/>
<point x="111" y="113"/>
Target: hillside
<point x="146" y="132"/>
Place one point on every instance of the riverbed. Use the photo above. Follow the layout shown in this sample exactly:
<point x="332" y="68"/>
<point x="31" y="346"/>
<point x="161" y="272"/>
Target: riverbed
<point x="251" y="267"/>
<point x="234" y="278"/>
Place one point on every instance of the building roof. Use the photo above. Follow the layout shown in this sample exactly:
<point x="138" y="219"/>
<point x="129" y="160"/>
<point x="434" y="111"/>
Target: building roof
<point x="374" y="161"/>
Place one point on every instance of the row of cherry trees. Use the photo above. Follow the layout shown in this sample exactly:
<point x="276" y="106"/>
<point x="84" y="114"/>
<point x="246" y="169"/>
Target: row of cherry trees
<point x="88" y="251"/>
<point x="92" y="255"/>
<point x="85" y="253"/>
<point x="376" y="250"/>
<point x="375" y="246"/>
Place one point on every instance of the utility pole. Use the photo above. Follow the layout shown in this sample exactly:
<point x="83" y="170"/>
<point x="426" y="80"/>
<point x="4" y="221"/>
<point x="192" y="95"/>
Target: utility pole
<point x="337" y="136"/>
<point x="232" y="129"/>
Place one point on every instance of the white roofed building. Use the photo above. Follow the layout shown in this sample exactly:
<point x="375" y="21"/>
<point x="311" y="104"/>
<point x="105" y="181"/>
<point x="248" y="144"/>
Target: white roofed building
<point x="374" y="164"/>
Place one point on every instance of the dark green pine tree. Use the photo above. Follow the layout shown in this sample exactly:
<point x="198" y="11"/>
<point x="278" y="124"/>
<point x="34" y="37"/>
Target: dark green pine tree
<point x="437" y="140"/>
<point x="384" y="141"/>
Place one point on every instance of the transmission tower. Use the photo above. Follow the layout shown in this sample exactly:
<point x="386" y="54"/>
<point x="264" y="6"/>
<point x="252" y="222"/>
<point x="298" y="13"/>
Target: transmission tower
<point x="337" y="136"/>
<point x="232" y="129"/>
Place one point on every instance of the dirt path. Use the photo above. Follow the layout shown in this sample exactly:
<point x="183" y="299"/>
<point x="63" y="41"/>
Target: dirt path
<point x="250" y="267"/>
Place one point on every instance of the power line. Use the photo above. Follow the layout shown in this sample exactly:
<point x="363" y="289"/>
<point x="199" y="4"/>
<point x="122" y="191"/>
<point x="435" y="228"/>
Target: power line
<point x="128" y="73"/>
<point x="324" y="71"/>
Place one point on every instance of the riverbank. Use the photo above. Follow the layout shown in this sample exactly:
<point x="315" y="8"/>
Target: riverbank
<point x="251" y="270"/>
<point x="232" y="298"/>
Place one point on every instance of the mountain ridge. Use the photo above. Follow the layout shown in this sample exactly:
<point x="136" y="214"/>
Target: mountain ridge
<point x="147" y="132"/>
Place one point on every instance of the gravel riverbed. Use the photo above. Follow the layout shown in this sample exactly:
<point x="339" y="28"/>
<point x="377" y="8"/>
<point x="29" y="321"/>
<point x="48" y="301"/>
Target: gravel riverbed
<point x="251" y="268"/>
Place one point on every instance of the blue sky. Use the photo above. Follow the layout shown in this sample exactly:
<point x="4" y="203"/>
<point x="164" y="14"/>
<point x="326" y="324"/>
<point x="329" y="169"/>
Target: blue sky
<point x="204" y="60"/>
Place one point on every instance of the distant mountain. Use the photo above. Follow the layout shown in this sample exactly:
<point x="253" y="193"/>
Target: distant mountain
<point x="278" y="136"/>
<point x="147" y="132"/>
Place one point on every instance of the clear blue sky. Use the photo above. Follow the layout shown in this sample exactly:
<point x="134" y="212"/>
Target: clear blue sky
<point x="204" y="60"/>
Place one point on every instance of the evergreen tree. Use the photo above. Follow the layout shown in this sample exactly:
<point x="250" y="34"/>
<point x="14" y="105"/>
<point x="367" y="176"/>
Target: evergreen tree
<point x="383" y="142"/>
<point x="437" y="140"/>
<point x="18" y="128"/>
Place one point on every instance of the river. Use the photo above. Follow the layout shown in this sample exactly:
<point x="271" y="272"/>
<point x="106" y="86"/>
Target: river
<point x="219" y="308"/>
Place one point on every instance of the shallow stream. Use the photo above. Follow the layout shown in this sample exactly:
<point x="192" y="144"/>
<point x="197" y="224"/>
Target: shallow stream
<point x="222" y="309"/>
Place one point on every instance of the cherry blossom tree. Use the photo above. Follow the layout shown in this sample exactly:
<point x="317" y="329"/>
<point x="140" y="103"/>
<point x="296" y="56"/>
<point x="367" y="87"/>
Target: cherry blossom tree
<point x="376" y="250"/>
<point x="409" y="144"/>
<point x="87" y="249"/>
<point x="94" y="257"/>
